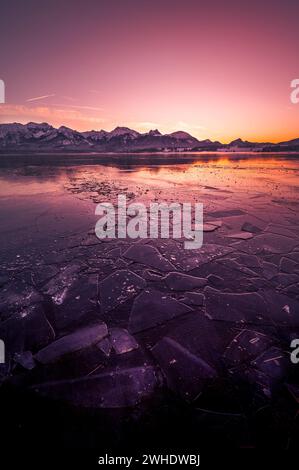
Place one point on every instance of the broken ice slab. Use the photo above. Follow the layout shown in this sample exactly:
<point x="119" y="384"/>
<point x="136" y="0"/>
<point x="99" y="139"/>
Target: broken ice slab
<point x="26" y="330"/>
<point x="115" y="253"/>
<point x="152" y="308"/>
<point x="193" y="298"/>
<point x="250" y="261"/>
<point x="215" y="223"/>
<point x="269" y="270"/>
<point x="282" y="230"/>
<point x="118" y="388"/>
<point x="274" y="362"/>
<point x="150" y="275"/>
<point x="80" y="339"/>
<point x="283" y="311"/>
<point x="227" y="213"/>
<point x="234" y="265"/>
<point x="43" y="273"/>
<point x="215" y="281"/>
<point x="211" y="227"/>
<point x="267" y="371"/>
<point x="294" y="256"/>
<point x="228" y="275"/>
<point x="25" y="359"/>
<point x="292" y="291"/>
<point x="105" y="346"/>
<point x="259" y="381"/>
<point x="248" y="227"/>
<point x="269" y="243"/>
<point x="181" y="282"/>
<point x="241" y="307"/>
<point x="12" y="334"/>
<point x="38" y="332"/>
<point x="188" y="261"/>
<point x="121" y="340"/>
<point x="282" y="280"/>
<point x="149" y="256"/>
<point x="289" y="266"/>
<point x="203" y="337"/>
<point x="240" y="235"/>
<point x="190" y="352"/>
<point x="118" y="288"/>
<point x="15" y="297"/>
<point x="80" y="300"/>
<point x="246" y="345"/>
<point x="186" y="373"/>
<point x="58" y="286"/>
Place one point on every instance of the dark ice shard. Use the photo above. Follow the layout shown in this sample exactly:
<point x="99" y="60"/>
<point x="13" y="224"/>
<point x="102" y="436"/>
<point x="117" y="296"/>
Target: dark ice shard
<point x="246" y="345"/>
<point x="282" y="310"/>
<point x="182" y="282"/>
<point x="240" y="235"/>
<point x="267" y="371"/>
<point x="105" y="346"/>
<point x="273" y="362"/>
<point x="59" y="285"/>
<point x="269" y="243"/>
<point x="81" y="339"/>
<point x="79" y="302"/>
<point x="193" y="298"/>
<point x="16" y="297"/>
<point x="27" y="330"/>
<point x="269" y="270"/>
<point x="121" y="340"/>
<point x="118" y="288"/>
<point x="226" y="213"/>
<point x="185" y="372"/>
<point x="248" y="227"/>
<point x="244" y="307"/>
<point x="152" y="308"/>
<point x="118" y="388"/>
<point x="149" y="256"/>
<point x="288" y="265"/>
<point x="25" y="359"/>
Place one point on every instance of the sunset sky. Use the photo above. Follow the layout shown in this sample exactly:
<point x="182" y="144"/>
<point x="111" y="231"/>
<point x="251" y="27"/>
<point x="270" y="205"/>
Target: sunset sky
<point x="217" y="69"/>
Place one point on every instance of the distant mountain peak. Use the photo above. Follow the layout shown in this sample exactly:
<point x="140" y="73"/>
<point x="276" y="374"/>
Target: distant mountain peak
<point x="38" y="125"/>
<point x="65" y="128"/>
<point x="154" y="132"/>
<point x="95" y="135"/>
<point x="119" y="131"/>
<point x="181" y="135"/>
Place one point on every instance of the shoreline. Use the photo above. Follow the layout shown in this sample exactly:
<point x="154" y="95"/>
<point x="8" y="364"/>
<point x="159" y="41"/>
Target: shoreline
<point x="202" y="152"/>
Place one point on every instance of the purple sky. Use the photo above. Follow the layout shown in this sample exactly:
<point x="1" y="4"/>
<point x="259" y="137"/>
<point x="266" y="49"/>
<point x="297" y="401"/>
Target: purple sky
<point x="212" y="68"/>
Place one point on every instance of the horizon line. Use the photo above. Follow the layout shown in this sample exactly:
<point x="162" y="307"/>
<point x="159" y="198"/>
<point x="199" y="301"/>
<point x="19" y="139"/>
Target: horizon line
<point x="146" y="133"/>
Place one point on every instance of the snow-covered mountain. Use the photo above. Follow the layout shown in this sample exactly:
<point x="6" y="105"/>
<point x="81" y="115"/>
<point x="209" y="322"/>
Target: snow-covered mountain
<point x="42" y="137"/>
<point x="45" y="138"/>
<point x="239" y="145"/>
<point x="35" y="136"/>
<point x="123" y="132"/>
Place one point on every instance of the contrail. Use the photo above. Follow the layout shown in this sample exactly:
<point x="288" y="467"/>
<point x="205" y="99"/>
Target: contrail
<point x="40" y="98"/>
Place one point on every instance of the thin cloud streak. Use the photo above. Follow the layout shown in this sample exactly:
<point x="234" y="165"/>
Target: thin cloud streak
<point x="75" y="106"/>
<point x="56" y="116"/>
<point x="37" y="98"/>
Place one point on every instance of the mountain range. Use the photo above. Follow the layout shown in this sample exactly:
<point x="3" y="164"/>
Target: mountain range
<point x="35" y="137"/>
